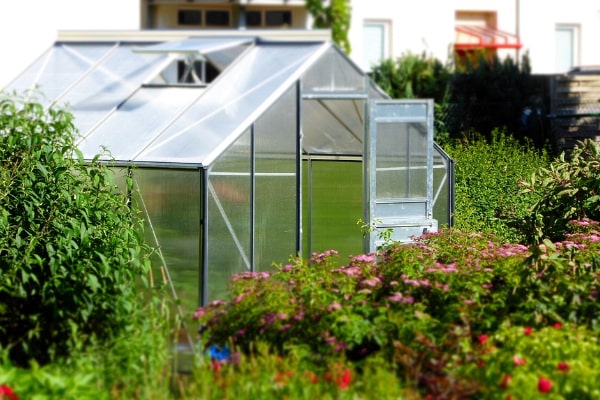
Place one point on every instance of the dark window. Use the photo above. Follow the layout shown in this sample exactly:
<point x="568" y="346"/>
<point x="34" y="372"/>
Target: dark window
<point x="278" y="18"/>
<point x="253" y="18"/>
<point x="185" y="75"/>
<point x="189" y="17"/>
<point x="217" y="18"/>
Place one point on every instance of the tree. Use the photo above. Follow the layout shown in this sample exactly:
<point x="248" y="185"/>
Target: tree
<point x="336" y="15"/>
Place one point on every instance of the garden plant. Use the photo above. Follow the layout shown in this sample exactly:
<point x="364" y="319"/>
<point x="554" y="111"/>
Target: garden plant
<point x="504" y="309"/>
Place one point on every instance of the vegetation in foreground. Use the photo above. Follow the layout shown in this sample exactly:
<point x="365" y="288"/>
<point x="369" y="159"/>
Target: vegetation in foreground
<point x="458" y="314"/>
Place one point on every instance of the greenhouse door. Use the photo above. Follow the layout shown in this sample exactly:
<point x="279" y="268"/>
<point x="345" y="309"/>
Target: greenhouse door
<point x="398" y="171"/>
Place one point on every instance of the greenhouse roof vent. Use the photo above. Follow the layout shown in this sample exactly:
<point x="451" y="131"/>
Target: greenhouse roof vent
<point x="195" y="61"/>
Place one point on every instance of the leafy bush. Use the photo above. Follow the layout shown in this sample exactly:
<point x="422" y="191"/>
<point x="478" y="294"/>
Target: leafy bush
<point x="486" y="184"/>
<point x="425" y="308"/>
<point x="70" y="246"/>
<point x="413" y="76"/>
<point x="568" y="189"/>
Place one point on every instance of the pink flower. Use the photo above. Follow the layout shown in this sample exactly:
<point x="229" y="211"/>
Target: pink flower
<point x="198" y="314"/>
<point x="482" y="339"/>
<point x="528" y="330"/>
<point x="544" y="385"/>
<point x="519" y="361"/>
<point x="334" y="306"/>
<point x="557" y="325"/>
<point x="563" y="366"/>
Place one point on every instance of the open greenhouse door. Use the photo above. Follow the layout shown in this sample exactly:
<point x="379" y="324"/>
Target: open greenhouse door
<point x="398" y="171"/>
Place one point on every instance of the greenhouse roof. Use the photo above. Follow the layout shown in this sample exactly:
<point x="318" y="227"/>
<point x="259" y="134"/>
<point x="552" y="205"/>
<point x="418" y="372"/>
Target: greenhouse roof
<point x="176" y="102"/>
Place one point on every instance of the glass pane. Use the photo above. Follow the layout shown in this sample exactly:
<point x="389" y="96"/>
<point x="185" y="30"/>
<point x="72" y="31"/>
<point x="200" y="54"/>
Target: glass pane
<point x="276" y="194"/>
<point x="171" y="199"/>
<point x="332" y="206"/>
<point x="229" y="217"/>
<point x="333" y="126"/>
<point x="333" y="72"/>
<point x="112" y="80"/>
<point x="374" y="35"/>
<point x="442" y="181"/>
<point x="224" y="110"/>
<point x="59" y="68"/>
<point x="153" y="108"/>
<point x="401" y="160"/>
<point x="565" y="48"/>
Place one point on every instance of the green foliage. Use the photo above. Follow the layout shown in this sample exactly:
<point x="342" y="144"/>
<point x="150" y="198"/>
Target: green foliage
<point x="413" y="76"/>
<point x="429" y="311"/>
<point x="335" y="15"/>
<point x="518" y="359"/>
<point x="132" y="365"/>
<point x="568" y="189"/>
<point x="486" y="184"/>
<point x="70" y="247"/>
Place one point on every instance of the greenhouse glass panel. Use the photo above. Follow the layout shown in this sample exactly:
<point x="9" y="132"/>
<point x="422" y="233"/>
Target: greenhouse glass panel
<point x="443" y="184"/>
<point x="333" y="126"/>
<point x="332" y="206"/>
<point x="401" y="160"/>
<point x="115" y="78"/>
<point x="170" y="201"/>
<point x="333" y="73"/>
<point x="229" y="217"/>
<point x="155" y="109"/>
<point x="275" y="229"/>
<point x="58" y="69"/>
<point x="244" y="91"/>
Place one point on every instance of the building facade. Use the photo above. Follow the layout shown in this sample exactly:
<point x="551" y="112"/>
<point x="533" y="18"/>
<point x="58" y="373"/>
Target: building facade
<point x="557" y="36"/>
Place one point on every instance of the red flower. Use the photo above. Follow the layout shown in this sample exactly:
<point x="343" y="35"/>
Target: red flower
<point x="506" y="379"/>
<point x="528" y="330"/>
<point x="311" y="376"/>
<point x="544" y="385"/>
<point x="345" y="379"/>
<point x="482" y="338"/>
<point x="8" y="393"/>
<point x="557" y="325"/>
<point x="563" y="366"/>
<point x="519" y="361"/>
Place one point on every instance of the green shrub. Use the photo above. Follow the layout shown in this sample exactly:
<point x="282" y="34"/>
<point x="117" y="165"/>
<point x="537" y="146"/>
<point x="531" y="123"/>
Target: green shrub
<point x="568" y="189"/>
<point x="70" y="249"/>
<point x="487" y="173"/>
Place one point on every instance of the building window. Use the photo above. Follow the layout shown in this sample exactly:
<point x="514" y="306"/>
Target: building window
<point x="217" y="18"/>
<point x="376" y="43"/>
<point x="254" y="18"/>
<point x="278" y="18"/>
<point x="189" y="17"/>
<point x="567" y="47"/>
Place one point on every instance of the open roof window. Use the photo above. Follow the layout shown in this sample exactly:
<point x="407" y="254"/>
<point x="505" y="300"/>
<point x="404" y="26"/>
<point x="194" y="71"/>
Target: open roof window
<point x="195" y="62"/>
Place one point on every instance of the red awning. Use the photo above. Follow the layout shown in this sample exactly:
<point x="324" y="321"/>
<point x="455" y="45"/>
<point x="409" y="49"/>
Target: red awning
<point x="471" y="37"/>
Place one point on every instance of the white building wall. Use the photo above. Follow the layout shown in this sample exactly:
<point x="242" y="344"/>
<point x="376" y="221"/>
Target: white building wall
<point x="29" y="27"/>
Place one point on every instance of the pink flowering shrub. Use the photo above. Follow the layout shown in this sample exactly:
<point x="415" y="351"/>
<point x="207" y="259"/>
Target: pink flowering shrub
<point x="436" y="310"/>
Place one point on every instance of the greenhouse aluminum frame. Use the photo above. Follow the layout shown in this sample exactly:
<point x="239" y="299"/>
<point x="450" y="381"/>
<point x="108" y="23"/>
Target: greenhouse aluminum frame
<point x="230" y="137"/>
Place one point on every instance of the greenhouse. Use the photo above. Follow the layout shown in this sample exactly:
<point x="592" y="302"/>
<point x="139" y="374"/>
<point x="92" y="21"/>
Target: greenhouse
<point x="247" y="150"/>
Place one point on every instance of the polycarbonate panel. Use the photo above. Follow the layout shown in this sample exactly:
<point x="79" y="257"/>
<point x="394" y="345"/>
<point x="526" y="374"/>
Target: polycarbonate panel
<point x="152" y="108"/>
<point x="442" y="187"/>
<point x="195" y="45"/>
<point x="401" y="160"/>
<point x="276" y="194"/>
<point x="333" y="126"/>
<point x="171" y="203"/>
<point x="226" y="109"/>
<point x="332" y="207"/>
<point x="333" y="72"/>
<point x="229" y="217"/>
<point x="113" y="80"/>
<point x="59" y="68"/>
<point x="222" y="58"/>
